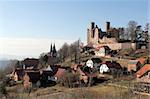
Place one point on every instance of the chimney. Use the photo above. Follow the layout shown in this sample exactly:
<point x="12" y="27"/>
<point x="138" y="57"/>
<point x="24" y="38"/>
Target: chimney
<point x="107" y="26"/>
<point x="92" y="25"/>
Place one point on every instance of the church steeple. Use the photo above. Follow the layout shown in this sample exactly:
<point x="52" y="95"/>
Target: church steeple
<point x="51" y="48"/>
<point x="54" y="51"/>
<point x="52" y="55"/>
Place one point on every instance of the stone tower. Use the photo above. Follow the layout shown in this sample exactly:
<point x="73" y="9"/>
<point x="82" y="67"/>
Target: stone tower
<point x="93" y="34"/>
<point x="107" y="26"/>
<point x="90" y="32"/>
<point x="96" y="35"/>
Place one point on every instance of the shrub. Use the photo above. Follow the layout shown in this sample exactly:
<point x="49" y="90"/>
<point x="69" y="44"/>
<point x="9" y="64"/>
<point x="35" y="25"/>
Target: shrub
<point x="69" y="80"/>
<point x="2" y="74"/>
<point x="3" y="91"/>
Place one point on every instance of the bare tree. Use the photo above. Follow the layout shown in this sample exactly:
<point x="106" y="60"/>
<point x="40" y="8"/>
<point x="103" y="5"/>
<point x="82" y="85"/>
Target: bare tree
<point x="141" y="35"/>
<point x="75" y="50"/>
<point x="72" y="51"/>
<point x="126" y="34"/>
<point x="131" y="30"/>
<point x="147" y="31"/>
<point x="147" y="27"/>
<point x="64" y="52"/>
<point x="43" y="60"/>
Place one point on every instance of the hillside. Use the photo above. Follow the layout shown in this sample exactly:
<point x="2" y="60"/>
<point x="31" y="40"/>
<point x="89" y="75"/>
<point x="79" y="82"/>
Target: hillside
<point x="4" y="63"/>
<point x="101" y="91"/>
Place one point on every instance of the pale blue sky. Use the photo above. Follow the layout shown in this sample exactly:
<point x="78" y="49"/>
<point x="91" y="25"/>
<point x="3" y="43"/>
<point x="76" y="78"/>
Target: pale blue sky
<point x="68" y="19"/>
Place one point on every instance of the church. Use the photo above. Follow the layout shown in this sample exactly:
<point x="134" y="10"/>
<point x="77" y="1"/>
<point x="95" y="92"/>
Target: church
<point x="52" y="55"/>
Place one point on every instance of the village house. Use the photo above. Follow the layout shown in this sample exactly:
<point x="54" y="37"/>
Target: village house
<point x="17" y="74"/>
<point x="47" y="75"/>
<point x="31" y="78"/>
<point x="28" y="64"/>
<point x="51" y="74"/>
<point x="110" y="67"/>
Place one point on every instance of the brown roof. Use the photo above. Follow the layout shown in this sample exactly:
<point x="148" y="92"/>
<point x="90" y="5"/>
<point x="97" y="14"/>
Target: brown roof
<point x="31" y="62"/>
<point x="56" y="70"/>
<point x="113" y="64"/>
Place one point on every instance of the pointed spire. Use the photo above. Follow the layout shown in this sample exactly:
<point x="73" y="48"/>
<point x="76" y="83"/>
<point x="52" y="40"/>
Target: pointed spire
<point x="51" y="48"/>
<point x="54" y="48"/>
<point x="54" y="51"/>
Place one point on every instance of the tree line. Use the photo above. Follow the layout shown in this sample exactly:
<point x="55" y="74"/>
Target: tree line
<point x="135" y="32"/>
<point x="71" y="51"/>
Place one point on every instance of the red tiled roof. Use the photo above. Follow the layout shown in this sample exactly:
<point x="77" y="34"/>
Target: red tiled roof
<point x="141" y="60"/>
<point x="60" y="72"/>
<point x="143" y="70"/>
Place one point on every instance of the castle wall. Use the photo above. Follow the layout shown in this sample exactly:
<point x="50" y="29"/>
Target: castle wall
<point x="117" y="46"/>
<point x="107" y="40"/>
<point x="128" y="45"/>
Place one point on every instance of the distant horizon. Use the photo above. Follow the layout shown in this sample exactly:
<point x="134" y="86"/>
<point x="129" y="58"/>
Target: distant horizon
<point x="27" y="28"/>
<point x="39" y="46"/>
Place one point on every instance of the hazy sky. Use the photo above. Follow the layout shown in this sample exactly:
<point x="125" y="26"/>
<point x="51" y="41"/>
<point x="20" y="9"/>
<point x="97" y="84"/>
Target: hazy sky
<point x="27" y="27"/>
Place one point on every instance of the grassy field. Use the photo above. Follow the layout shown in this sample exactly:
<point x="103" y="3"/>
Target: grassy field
<point x="100" y="91"/>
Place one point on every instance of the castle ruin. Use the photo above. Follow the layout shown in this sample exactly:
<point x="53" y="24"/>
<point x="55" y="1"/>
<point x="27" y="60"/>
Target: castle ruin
<point x="110" y="37"/>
